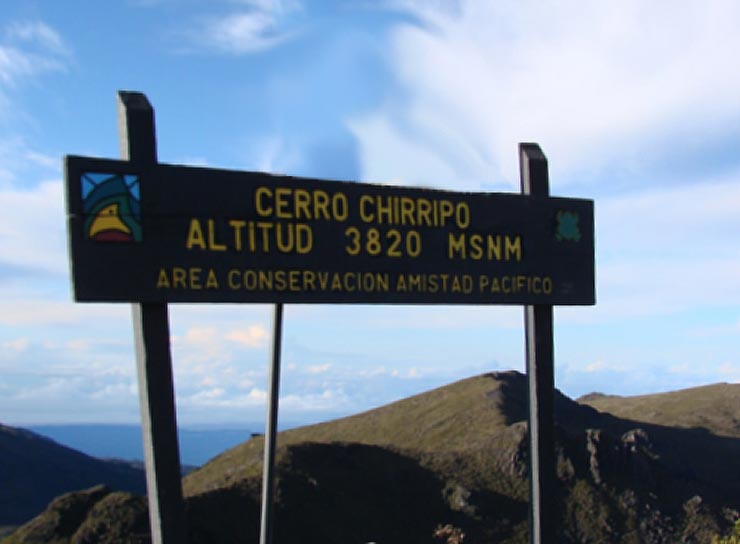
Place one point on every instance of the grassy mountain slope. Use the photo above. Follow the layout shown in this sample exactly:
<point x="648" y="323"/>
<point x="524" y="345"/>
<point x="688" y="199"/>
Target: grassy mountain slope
<point x="34" y="470"/>
<point x="712" y="407"/>
<point x="455" y="459"/>
<point x="465" y="416"/>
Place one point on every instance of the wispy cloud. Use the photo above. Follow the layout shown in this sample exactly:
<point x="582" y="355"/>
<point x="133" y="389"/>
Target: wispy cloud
<point x="20" y="307"/>
<point x="38" y="32"/>
<point x="631" y="94"/>
<point x="327" y="400"/>
<point x="18" y="345"/>
<point x="604" y="88"/>
<point x="730" y="371"/>
<point x="31" y="48"/>
<point x="32" y="235"/>
<point x="670" y="249"/>
<point x="318" y="369"/>
<point x="218" y="398"/>
<point x="253" y="336"/>
<point x="257" y="25"/>
<point x="211" y="343"/>
<point x="601" y="366"/>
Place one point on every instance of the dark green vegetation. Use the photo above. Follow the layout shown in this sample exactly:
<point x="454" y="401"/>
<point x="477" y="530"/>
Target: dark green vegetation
<point x="451" y="461"/>
<point x="34" y="470"/>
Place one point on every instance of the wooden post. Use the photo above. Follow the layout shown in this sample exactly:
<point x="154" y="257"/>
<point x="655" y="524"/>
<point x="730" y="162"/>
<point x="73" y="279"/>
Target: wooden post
<point x="153" y="359"/>
<point x="273" y="400"/>
<point x="543" y="500"/>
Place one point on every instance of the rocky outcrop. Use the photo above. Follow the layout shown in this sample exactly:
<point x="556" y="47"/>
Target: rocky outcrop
<point x="630" y="458"/>
<point x="95" y="515"/>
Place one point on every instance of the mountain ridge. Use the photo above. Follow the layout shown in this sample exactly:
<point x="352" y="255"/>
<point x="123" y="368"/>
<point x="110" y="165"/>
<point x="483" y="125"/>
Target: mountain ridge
<point x="714" y="407"/>
<point x="34" y="469"/>
<point x="454" y="461"/>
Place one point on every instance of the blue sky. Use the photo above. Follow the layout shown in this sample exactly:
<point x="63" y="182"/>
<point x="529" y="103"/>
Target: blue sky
<point x="636" y="105"/>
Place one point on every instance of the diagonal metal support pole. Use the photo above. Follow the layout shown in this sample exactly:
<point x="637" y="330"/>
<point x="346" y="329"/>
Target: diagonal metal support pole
<point x="543" y="500"/>
<point x="153" y="358"/>
<point x="273" y="400"/>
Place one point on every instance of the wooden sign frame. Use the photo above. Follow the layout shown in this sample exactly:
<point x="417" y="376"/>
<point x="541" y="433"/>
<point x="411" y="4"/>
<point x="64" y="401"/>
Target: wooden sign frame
<point x="152" y="234"/>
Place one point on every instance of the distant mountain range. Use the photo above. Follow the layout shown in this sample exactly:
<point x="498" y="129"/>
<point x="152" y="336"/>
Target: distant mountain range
<point x="124" y="441"/>
<point x="453" y="462"/>
<point x="44" y="461"/>
<point x="35" y="469"/>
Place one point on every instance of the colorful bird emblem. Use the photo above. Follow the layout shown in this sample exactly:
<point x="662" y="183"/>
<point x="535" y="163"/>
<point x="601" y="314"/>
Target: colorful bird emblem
<point x="112" y="208"/>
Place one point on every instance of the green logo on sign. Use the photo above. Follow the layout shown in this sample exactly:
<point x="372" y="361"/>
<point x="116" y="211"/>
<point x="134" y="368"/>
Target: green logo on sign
<point x="567" y="227"/>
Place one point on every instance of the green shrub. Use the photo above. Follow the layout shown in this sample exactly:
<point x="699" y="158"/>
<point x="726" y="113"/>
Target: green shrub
<point x="734" y="538"/>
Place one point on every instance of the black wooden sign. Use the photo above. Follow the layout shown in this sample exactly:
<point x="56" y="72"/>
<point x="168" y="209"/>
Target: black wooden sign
<point x="165" y="233"/>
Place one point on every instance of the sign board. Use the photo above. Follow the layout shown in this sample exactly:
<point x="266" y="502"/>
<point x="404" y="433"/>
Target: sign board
<point x="149" y="233"/>
<point x="165" y="233"/>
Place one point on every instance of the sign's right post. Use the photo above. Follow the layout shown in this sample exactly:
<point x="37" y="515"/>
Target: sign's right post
<point x="543" y="501"/>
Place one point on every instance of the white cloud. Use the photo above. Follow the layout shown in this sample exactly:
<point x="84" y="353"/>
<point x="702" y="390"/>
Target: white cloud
<point x="206" y="360"/>
<point x="661" y="251"/>
<point x="200" y="351"/>
<point x="78" y="344"/>
<point x="714" y="331"/>
<point x="318" y="369"/>
<point x="117" y="391"/>
<point x="254" y="336"/>
<point x="18" y="308"/>
<point x="707" y="373"/>
<point x="32" y="228"/>
<point x="257" y="395"/>
<point x="683" y="368"/>
<point x="275" y="153"/>
<point x="327" y="400"/>
<point x="52" y="389"/>
<point x="608" y="93"/>
<point x="393" y="158"/>
<point x="209" y="394"/>
<point x="273" y="6"/>
<point x="218" y="398"/>
<point x="201" y="336"/>
<point x="702" y="217"/>
<point x="597" y="85"/>
<point x="19" y="162"/>
<point x="18" y="345"/>
<point x="601" y="365"/>
<point x="243" y="33"/>
<point x="245" y="383"/>
<point x="205" y="355"/>
<point x="259" y="26"/>
<point x="730" y="372"/>
<point x="373" y="372"/>
<point x="39" y="33"/>
<point x="31" y="48"/>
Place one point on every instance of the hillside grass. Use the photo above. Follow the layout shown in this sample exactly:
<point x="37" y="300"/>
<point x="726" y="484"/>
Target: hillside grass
<point x="432" y="426"/>
<point x="715" y="408"/>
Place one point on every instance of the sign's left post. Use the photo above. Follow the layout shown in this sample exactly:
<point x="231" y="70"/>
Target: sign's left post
<point x="153" y="358"/>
